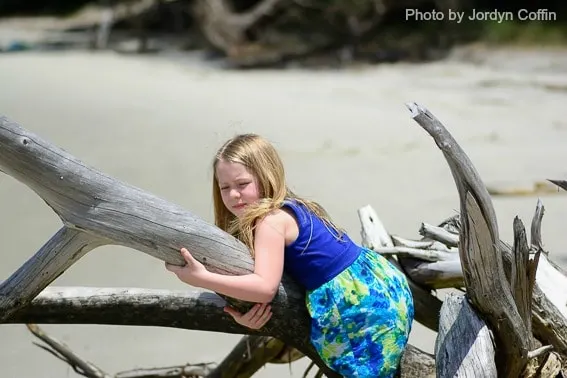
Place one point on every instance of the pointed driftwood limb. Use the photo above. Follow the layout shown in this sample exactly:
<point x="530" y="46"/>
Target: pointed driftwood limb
<point x="425" y="243"/>
<point x="539" y="351"/>
<point x="535" y="230"/>
<point x="523" y="277"/>
<point x="63" y="352"/>
<point x="423" y="254"/>
<point x="560" y="183"/>
<point x="87" y="369"/>
<point x="403" y="242"/>
<point x="434" y="275"/>
<point x="443" y="273"/>
<point x="439" y="234"/>
<point x="483" y="269"/>
<point x="464" y="346"/>
<point x="61" y="251"/>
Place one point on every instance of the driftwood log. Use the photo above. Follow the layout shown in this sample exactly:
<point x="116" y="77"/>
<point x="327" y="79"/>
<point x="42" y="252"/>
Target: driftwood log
<point x="512" y="308"/>
<point x="273" y="32"/>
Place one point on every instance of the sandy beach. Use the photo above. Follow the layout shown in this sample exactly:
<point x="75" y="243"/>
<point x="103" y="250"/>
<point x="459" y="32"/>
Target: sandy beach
<point x="345" y="136"/>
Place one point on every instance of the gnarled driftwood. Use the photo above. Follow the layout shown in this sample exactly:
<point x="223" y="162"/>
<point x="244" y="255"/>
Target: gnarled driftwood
<point x="503" y="284"/>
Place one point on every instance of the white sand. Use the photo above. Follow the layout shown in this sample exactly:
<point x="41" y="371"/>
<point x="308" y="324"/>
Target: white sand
<point x="346" y="138"/>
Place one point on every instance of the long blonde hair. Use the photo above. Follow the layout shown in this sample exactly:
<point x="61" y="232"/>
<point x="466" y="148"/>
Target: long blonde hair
<point x="262" y="160"/>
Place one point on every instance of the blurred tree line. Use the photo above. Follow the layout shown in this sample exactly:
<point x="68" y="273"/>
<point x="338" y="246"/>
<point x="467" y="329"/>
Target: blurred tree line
<point x="268" y="32"/>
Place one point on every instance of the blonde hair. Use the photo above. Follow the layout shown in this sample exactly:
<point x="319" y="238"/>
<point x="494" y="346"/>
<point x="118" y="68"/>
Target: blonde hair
<point x="262" y="160"/>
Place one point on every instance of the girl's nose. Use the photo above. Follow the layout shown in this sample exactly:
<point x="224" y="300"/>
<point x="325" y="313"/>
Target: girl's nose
<point x="234" y="193"/>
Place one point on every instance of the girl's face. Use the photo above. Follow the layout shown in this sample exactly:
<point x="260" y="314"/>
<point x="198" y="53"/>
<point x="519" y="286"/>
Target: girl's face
<point x="237" y="185"/>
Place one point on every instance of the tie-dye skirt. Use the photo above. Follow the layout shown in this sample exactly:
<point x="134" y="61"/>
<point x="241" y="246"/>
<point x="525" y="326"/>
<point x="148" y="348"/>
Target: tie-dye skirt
<point x="362" y="318"/>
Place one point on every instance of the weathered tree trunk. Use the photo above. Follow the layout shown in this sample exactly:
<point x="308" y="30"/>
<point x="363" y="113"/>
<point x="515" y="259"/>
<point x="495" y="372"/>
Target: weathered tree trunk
<point x="503" y="300"/>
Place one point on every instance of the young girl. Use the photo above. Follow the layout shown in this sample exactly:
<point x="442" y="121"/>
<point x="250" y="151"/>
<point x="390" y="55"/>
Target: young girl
<point x="360" y="304"/>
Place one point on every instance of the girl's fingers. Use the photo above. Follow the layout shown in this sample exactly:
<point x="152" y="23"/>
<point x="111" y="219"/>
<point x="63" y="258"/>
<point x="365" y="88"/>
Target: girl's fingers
<point x="235" y="314"/>
<point x="255" y="318"/>
<point x="186" y="255"/>
<point x="263" y="316"/>
<point x="260" y="312"/>
<point x="252" y="312"/>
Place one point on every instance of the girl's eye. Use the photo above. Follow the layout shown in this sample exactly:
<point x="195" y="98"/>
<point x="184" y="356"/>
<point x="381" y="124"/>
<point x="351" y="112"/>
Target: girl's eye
<point x="224" y="188"/>
<point x="242" y="184"/>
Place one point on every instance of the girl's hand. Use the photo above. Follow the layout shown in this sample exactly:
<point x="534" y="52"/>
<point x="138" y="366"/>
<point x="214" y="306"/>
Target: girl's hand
<point x="255" y="318"/>
<point x="193" y="271"/>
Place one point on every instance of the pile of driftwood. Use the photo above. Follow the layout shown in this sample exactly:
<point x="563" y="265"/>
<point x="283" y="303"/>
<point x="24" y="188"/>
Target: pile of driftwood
<point x="255" y="33"/>
<point x="507" y="316"/>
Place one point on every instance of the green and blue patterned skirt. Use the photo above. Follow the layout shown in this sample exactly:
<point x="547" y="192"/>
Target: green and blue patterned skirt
<point x="362" y="318"/>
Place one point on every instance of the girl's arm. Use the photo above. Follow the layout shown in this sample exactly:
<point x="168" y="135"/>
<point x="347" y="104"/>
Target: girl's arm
<point x="260" y="286"/>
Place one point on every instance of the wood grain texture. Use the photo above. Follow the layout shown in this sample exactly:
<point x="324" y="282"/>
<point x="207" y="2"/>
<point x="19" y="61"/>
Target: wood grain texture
<point x="464" y="346"/>
<point x="64" y="248"/>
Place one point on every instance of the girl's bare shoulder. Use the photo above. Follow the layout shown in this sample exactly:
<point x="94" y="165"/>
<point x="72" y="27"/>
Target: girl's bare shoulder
<point x="286" y="218"/>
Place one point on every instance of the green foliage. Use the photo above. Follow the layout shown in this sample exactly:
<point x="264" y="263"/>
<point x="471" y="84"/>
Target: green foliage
<point x="524" y="33"/>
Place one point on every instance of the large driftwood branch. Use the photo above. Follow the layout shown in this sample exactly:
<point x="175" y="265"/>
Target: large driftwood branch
<point x="88" y="200"/>
<point x="483" y="271"/>
<point x="202" y="310"/>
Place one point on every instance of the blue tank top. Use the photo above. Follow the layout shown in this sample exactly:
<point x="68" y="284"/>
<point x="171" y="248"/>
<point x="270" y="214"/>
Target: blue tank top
<point x="317" y="255"/>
